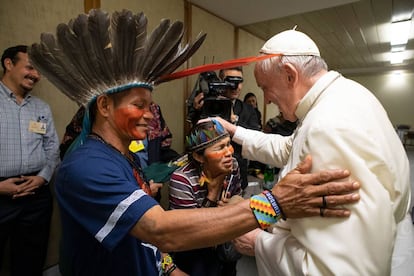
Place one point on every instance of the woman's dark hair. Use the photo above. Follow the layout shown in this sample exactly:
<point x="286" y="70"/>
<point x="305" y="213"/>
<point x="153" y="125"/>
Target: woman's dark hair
<point x="248" y="95"/>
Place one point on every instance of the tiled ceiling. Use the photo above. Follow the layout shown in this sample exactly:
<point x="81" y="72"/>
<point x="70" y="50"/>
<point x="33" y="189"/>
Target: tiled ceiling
<point x="353" y="36"/>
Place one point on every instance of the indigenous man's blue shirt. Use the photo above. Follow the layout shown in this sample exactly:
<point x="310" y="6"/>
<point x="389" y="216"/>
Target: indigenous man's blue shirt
<point x="100" y="202"/>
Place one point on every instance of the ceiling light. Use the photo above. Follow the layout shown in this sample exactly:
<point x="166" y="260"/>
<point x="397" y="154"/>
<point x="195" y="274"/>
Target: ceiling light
<point x="396" y="57"/>
<point x="397" y="48"/>
<point x="400" y="31"/>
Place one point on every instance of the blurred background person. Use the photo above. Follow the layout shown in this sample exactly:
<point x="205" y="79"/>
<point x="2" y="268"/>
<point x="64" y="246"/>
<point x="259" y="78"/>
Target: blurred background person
<point x="250" y="98"/>
<point x="279" y="125"/>
<point x="255" y="168"/>
<point x="28" y="156"/>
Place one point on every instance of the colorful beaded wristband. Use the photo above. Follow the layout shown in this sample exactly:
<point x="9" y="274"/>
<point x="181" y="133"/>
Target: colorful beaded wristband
<point x="263" y="211"/>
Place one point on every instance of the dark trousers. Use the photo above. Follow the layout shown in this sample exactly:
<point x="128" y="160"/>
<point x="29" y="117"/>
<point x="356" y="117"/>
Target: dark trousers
<point x="25" y="222"/>
<point x="203" y="262"/>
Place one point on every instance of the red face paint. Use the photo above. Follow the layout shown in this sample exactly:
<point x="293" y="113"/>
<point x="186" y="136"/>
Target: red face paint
<point x="130" y="120"/>
<point x="220" y="153"/>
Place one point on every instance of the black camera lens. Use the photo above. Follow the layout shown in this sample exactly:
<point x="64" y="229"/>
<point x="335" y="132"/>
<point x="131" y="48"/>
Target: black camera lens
<point x="233" y="79"/>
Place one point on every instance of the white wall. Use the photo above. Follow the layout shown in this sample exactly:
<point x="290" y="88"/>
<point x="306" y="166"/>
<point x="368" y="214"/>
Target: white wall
<point x="395" y="92"/>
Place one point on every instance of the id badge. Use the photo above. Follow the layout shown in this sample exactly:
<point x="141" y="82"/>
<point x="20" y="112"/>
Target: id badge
<point x="37" y="127"/>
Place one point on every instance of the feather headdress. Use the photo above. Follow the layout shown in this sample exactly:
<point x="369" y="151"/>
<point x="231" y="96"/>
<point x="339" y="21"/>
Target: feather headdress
<point x="96" y="53"/>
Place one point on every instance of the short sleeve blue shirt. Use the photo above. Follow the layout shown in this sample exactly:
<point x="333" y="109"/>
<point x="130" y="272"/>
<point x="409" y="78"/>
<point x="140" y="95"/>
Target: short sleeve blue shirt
<point x="100" y="202"/>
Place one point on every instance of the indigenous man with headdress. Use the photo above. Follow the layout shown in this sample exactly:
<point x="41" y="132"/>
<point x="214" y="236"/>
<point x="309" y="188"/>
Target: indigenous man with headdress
<point x="110" y="225"/>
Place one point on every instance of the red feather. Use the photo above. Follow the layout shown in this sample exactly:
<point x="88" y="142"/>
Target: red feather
<point x="215" y="66"/>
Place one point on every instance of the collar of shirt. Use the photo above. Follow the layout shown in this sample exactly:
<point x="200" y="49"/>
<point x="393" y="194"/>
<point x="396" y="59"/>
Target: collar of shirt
<point x="313" y="94"/>
<point x="9" y="94"/>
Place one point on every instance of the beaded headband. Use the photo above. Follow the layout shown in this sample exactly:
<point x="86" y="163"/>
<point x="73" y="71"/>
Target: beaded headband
<point x="204" y="135"/>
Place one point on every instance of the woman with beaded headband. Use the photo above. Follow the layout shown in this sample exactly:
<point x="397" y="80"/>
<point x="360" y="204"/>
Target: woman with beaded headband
<point x="210" y="178"/>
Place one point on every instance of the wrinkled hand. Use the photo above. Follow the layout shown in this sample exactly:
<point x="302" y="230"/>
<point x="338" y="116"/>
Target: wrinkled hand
<point x="245" y="244"/>
<point x="28" y="185"/>
<point x="198" y="101"/>
<point x="155" y="187"/>
<point x="300" y="193"/>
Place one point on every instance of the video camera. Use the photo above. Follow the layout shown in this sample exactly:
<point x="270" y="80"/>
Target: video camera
<point x="215" y="104"/>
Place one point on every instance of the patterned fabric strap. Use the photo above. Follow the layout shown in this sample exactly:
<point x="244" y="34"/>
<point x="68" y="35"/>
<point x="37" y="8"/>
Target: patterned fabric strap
<point x="263" y="211"/>
<point x="275" y="205"/>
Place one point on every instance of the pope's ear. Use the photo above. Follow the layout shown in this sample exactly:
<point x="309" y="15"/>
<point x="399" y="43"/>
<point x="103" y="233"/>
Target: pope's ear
<point x="291" y="74"/>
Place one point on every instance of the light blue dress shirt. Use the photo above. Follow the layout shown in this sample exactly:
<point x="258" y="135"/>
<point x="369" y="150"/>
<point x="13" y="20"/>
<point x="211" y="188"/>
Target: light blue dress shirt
<point x="24" y="151"/>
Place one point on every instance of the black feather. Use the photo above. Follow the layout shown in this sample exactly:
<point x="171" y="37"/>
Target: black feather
<point x="180" y="58"/>
<point x="167" y="50"/>
<point x="151" y="47"/>
<point x="98" y="25"/>
<point x="140" y="41"/>
<point x="124" y="32"/>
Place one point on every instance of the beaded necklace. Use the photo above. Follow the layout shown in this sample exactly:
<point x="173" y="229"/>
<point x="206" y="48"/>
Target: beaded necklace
<point x="137" y="171"/>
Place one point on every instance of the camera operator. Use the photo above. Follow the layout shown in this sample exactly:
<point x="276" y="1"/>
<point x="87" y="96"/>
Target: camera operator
<point x="242" y="114"/>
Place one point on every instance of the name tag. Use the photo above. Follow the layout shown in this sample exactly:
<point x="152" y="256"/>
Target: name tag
<point x="37" y="127"/>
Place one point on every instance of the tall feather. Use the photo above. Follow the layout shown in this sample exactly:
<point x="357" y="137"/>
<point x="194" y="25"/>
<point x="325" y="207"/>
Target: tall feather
<point x="166" y="51"/>
<point x="124" y="32"/>
<point x="41" y="57"/>
<point x="70" y="71"/>
<point x="151" y="48"/>
<point x="55" y="66"/>
<point x="98" y="26"/>
<point x="180" y="58"/>
<point x="80" y="29"/>
<point x="69" y="42"/>
<point x="140" y="41"/>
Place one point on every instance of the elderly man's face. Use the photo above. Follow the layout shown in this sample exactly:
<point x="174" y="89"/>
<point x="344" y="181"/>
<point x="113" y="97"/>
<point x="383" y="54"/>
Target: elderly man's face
<point x="276" y="90"/>
<point x="131" y="113"/>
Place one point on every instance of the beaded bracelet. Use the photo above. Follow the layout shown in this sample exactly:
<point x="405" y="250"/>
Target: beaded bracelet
<point x="209" y="203"/>
<point x="275" y="205"/>
<point x="263" y="211"/>
<point x="170" y="270"/>
<point x="280" y="207"/>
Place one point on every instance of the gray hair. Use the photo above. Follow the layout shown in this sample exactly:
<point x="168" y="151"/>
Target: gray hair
<point x="307" y="65"/>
